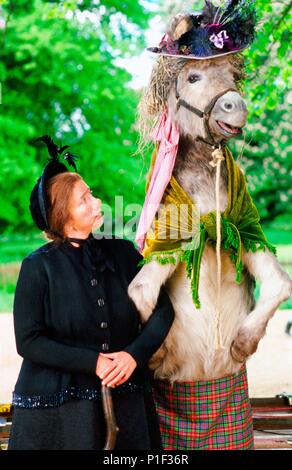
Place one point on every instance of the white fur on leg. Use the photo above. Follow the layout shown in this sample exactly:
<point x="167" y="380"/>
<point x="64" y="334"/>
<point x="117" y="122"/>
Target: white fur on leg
<point x="276" y="288"/>
<point x="145" y="287"/>
<point x="189" y="353"/>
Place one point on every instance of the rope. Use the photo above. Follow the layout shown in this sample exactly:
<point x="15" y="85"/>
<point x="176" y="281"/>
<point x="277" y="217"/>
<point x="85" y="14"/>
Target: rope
<point x="218" y="157"/>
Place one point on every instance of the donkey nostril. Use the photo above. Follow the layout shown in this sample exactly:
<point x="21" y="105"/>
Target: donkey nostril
<point x="228" y="106"/>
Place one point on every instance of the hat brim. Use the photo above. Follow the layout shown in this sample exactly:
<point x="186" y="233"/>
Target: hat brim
<point x="191" y="56"/>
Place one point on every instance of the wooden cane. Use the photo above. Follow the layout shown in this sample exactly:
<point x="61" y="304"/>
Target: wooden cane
<point x="110" y="419"/>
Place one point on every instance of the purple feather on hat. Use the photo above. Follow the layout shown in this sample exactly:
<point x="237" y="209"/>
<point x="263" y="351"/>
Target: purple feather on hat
<point x="216" y="30"/>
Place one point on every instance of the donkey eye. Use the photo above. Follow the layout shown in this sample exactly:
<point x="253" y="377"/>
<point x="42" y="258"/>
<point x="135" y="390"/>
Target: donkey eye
<point x="194" y="78"/>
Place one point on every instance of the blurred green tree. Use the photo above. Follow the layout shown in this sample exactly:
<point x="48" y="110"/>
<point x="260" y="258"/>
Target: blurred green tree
<point x="266" y="154"/>
<point x="58" y="75"/>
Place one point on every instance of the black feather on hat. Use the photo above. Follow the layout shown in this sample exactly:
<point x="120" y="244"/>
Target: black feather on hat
<point x="38" y="199"/>
<point x="214" y="32"/>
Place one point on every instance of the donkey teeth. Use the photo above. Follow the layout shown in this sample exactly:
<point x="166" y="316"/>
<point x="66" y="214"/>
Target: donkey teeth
<point x="228" y="128"/>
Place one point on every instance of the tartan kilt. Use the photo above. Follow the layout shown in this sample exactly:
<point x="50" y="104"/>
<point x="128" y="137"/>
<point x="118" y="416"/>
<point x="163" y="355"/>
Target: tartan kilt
<point x="205" y="415"/>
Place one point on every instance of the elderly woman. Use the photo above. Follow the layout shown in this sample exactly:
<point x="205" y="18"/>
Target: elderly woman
<point x="76" y="327"/>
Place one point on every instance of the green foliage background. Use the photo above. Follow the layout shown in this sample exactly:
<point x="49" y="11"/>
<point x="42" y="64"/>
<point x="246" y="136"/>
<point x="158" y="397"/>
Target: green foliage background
<point x="58" y="76"/>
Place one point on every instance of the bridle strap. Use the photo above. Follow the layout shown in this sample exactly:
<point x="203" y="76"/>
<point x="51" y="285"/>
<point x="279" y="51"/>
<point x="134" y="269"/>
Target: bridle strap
<point x="191" y="108"/>
<point x="214" y="100"/>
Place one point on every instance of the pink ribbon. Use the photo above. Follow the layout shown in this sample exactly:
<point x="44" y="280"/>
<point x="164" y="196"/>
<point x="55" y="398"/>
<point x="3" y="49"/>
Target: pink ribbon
<point x="168" y="135"/>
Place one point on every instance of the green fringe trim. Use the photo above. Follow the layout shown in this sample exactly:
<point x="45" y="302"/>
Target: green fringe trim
<point x="238" y="267"/>
<point x="161" y="258"/>
<point x="193" y="258"/>
<point x="252" y="245"/>
<point x="231" y="241"/>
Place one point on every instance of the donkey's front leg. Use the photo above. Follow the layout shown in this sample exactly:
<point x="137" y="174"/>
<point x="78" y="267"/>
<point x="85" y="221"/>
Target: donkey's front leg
<point x="276" y="287"/>
<point x="145" y="287"/>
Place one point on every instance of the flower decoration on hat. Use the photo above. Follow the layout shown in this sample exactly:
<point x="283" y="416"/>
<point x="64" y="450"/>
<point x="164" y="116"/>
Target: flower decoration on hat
<point x="216" y="31"/>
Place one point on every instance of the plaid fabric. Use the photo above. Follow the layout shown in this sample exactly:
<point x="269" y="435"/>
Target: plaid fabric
<point x="205" y="415"/>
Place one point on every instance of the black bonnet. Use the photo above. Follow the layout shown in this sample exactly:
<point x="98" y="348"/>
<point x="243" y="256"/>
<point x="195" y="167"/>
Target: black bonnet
<point x="38" y="197"/>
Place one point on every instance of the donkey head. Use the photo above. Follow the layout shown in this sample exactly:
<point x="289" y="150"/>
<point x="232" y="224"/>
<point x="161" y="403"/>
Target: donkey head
<point x="197" y="86"/>
<point x="208" y="86"/>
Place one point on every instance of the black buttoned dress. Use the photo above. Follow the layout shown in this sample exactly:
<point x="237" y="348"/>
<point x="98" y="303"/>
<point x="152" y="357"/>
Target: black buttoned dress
<point x="71" y="304"/>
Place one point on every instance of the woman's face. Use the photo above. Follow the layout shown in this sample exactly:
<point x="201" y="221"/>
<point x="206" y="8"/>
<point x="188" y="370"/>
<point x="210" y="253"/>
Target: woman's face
<point x="84" y="210"/>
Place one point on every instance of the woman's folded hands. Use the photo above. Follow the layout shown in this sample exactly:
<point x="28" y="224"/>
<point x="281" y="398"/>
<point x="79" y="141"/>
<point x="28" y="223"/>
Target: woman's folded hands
<point x="113" y="369"/>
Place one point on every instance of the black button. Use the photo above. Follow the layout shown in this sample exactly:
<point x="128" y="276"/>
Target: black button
<point x="93" y="282"/>
<point x="105" y="347"/>
<point x="103" y="324"/>
<point x="100" y="302"/>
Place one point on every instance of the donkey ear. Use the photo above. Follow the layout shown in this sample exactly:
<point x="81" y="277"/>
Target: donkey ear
<point x="180" y="24"/>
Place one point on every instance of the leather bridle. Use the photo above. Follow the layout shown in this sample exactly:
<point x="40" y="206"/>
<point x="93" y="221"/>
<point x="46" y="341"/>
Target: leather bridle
<point x="205" y="115"/>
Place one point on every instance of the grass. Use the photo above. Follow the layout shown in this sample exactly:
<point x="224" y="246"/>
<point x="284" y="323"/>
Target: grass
<point x="14" y="248"/>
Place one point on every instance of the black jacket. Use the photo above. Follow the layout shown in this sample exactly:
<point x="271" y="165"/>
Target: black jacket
<point x="67" y="310"/>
